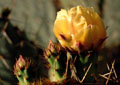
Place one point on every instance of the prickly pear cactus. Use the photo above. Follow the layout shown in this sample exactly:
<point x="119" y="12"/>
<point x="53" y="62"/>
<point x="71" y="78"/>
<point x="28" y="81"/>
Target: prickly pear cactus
<point x="56" y="56"/>
<point x="82" y="63"/>
<point x="20" y="70"/>
<point x="59" y="57"/>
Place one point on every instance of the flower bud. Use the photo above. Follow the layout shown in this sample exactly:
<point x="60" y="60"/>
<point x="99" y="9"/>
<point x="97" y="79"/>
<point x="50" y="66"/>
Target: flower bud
<point x="20" y="63"/>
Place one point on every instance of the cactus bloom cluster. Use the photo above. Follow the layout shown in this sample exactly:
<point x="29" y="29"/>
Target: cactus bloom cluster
<point x="79" y="29"/>
<point x="81" y="32"/>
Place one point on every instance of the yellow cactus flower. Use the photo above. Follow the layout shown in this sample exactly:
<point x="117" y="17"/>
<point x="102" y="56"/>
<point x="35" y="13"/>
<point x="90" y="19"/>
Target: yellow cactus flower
<point x="79" y="29"/>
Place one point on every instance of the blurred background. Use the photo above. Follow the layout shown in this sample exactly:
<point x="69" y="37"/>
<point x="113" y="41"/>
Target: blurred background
<point x="34" y="19"/>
